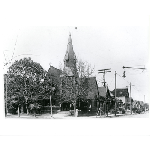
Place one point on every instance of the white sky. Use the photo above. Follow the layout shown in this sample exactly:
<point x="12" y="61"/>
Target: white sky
<point x="103" y="47"/>
<point x="110" y="34"/>
<point x="119" y="37"/>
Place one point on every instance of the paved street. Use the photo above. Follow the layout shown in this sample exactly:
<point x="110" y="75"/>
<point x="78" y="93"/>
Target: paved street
<point x="64" y="116"/>
<point x="144" y="115"/>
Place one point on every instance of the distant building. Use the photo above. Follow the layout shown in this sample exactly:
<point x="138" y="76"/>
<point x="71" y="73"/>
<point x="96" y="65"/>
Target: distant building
<point x="122" y="94"/>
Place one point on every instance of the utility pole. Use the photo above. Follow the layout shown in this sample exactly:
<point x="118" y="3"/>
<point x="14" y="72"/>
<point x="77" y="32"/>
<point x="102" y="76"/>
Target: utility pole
<point x="51" y="91"/>
<point x="144" y="104"/>
<point x="6" y="96"/>
<point x="115" y="93"/>
<point x="130" y="98"/>
<point x="104" y="71"/>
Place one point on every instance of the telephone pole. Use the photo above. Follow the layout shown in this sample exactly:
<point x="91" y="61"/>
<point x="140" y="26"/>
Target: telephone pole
<point x="115" y="93"/>
<point x="144" y="104"/>
<point x="104" y="71"/>
<point x="130" y="98"/>
<point x="6" y="98"/>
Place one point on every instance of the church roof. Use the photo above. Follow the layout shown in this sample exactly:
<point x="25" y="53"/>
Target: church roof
<point x="54" y="74"/>
<point x="92" y="87"/>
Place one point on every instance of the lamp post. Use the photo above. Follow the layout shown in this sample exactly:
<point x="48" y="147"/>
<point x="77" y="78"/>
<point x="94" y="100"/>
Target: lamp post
<point x="52" y="90"/>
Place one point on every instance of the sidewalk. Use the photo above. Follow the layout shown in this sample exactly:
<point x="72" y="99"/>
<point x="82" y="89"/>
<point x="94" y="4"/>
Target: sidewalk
<point x="57" y="116"/>
<point x="65" y="116"/>
<point x="40" y="116"/>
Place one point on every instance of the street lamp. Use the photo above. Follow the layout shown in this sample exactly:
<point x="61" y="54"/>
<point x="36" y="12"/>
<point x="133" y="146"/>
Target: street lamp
<point x="52" y="90"/>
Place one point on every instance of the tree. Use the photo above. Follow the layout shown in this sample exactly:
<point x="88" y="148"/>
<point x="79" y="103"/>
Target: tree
<point x="24" y="78"/>
<point x="74" y="81"/>
<point x="85" y="71"/>
<point x="14" y="98"/>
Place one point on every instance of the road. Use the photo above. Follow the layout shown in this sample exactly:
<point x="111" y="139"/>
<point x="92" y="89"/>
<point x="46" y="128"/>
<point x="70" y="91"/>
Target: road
<point x="143" y="115"/>
<point x="61" y="116"/>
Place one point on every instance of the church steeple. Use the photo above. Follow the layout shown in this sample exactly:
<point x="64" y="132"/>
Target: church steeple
<point x="69" y="39"/>
<point x="69" y="80"/>
<point x="70" y="57"/>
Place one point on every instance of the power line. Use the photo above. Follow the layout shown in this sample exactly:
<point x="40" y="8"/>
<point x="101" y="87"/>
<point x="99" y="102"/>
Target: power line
<point x="14" y="47"/>
<point x="112" y="80"/>
<point x="139" y="91"/>
<point x="123" y="78"/>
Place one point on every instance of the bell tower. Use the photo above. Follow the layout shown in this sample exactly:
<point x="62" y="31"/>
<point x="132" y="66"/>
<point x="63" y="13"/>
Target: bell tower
<point x="69" y="80"/>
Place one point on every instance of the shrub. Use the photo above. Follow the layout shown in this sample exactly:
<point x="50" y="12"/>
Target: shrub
<point x="13" y="107"/>
<point x="35" y="108"/>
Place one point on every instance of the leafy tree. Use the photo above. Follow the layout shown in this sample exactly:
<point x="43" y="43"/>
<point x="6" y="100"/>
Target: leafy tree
<point x="85" y="71"/>
<point x="23" y="80"/>
<point x="74" y="81"/>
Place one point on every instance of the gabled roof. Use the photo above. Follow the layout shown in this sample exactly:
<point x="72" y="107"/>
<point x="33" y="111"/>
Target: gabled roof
<point x="105" y="92"/>
<point x="102" y="91"/>
<point x="92" y="88"/>
<point x="54" y="74"/>
<point x="54" y="71"/>
<point x="121" y="92"/>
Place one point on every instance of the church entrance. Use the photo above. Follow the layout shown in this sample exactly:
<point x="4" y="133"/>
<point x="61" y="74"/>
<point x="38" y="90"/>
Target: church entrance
<point x="66" y="106"/>
<point x="83" y="105"/>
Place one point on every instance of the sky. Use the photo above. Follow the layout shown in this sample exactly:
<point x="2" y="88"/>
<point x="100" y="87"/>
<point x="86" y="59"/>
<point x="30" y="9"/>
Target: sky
<point x="110" y="34"/>
<point x="102" y="46"/>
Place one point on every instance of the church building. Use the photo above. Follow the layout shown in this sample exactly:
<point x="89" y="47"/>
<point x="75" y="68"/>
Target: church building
<point x="69" y="95"/>
<point x="69" y="79"/>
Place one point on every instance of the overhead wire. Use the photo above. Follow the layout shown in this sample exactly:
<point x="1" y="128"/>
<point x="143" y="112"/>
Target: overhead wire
<point x="139" y="91"/>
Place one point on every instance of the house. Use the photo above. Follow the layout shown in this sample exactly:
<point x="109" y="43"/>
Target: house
<point x="122" y="94"/>
<point x="106" y="99"/>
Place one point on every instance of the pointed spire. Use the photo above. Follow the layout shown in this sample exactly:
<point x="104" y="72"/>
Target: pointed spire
<point x="70" y="58"/>
<point x="69" y="39"/>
